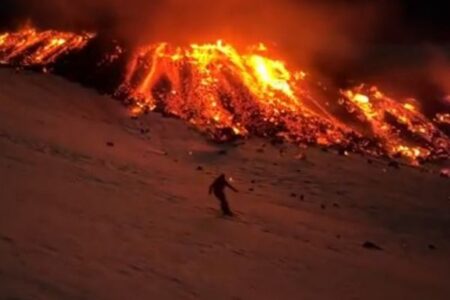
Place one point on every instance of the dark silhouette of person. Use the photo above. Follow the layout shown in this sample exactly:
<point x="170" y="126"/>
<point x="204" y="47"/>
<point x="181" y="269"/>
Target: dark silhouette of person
<point x="218" y="187"/>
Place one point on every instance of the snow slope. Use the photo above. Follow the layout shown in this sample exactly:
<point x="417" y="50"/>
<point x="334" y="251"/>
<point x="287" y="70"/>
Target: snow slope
<point x="81" y="219"/>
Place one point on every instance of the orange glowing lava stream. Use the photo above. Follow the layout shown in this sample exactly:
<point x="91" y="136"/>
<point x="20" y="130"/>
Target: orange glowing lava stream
<point x="373" y="107"/>
<point x="225" y="92"/>
<point x="203" y="77"/>
<point x="29" y="47"/>
<point x="442" y="118"/>
<point x="214" y="86"/>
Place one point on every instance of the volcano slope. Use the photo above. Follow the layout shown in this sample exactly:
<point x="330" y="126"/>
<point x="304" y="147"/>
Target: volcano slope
<point x="97" y="205"/>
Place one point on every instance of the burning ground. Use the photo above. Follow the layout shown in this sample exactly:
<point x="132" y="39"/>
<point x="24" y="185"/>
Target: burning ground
<point x="112" y="207"/>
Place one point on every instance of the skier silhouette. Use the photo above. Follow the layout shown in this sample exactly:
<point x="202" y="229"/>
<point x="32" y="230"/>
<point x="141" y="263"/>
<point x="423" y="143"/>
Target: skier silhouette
<point x="218" y="187"/>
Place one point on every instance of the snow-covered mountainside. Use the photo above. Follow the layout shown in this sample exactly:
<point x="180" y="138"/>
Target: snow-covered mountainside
<point x="97" y="205"/>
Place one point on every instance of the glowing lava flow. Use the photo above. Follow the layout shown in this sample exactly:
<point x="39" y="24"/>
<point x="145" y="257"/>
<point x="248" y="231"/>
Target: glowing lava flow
<point x="215" y="88"/>
<point x="443" y="118"/>
<point x="30" y="47"/>
<point x="226" y="93"/>
<point x="400" y="127"/>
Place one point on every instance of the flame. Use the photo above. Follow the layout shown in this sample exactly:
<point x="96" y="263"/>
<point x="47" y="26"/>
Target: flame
<point x="29" y="46"/>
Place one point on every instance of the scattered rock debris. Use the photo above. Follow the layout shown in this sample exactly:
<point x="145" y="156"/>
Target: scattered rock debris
<point x="323" y="206"/>
<point x="251" y="189"/>
<point x="445" y="173"/>
<point x="293" y="195"/>
<point x="431" y="247"/>
<point x="223" y="152"/>
<point x="369" y="161"/>
<point x="6" y="239"/>
<point x="110" y="144"/>
<point x="343" y="152"/>
<point x="336" y="205"/>
<point x="394" y="164"/>
<point x="302" y="197"/>
<point x="300" y="156"/>
<point x="371" y="246"/>
<point x="200" y="168"/>
<point x="276" y="141"/>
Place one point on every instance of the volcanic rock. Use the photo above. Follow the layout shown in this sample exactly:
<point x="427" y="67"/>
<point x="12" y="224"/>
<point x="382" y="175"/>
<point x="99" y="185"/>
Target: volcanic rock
<point x="343" y="152"/>
<point x="394" y="164"/>
<point x="300" y="156"/>
<point x="445" y="173"/>
<point x="371" y="246"/>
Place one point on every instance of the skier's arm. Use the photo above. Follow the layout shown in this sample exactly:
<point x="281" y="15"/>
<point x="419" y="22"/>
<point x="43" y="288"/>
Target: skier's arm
<point x="232" y="187"/>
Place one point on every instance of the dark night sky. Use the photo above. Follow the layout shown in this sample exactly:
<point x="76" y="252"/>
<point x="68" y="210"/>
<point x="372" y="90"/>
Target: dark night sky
<point x="428" y="18"/>
<point x="420" y="20"/>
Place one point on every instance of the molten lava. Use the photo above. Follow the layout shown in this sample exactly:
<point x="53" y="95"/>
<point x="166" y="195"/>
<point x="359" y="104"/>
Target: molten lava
<point x="400" y="127"/>
<point x="30" y="47"/>
<point x="226" y="93"/>
<point x="443" y="118"/>
<point x="215" y="87"/>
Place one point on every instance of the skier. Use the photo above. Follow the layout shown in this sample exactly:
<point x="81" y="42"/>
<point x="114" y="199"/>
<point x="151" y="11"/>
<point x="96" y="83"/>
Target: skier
<point x="218" y="187"/>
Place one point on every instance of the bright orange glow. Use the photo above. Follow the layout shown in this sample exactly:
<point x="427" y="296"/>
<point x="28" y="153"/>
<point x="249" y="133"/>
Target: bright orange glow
<point x="225" y="92"/>
<point x="31" y="47"/>
<point x="443" y="118"/>
<point x="215" y="87"/>
<point x="379" y="111"/>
